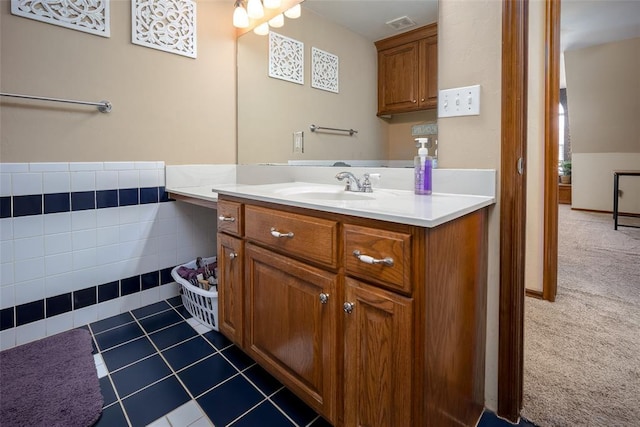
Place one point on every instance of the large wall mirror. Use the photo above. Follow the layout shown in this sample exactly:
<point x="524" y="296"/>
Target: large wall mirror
<point x="271" y="110"/>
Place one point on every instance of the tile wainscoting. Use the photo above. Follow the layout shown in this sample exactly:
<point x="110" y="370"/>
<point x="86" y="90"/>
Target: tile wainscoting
<point x="81" y="242"/>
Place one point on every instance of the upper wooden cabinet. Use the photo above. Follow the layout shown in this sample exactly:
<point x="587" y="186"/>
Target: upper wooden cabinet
<point x="408" y="71"/>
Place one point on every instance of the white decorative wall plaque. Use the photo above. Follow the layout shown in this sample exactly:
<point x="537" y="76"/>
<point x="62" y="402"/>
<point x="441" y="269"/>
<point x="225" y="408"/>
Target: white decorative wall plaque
<point x="286" y="58"/>
<point x="167" y="25"/>
<point x="324" y="70"/>
<point x="90" y="16"/>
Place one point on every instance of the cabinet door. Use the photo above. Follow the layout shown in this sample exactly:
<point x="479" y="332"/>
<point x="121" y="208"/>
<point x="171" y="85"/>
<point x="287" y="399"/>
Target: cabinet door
<point x="291" y="325"/>
<point x="230" y="293"/>
<point x="378" y="357"/>
<point x="428" y="73"/>
<point x="398" y="79"/>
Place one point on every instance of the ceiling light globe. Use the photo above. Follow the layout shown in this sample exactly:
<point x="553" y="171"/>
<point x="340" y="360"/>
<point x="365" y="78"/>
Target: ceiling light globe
<point x="240" y="17"/>
<point x="277" y="21"/>
<point x="272" y="4"/>
<point x="262" y="29"/>
<point x="254" y="9"/>
<point x="294" y="12"/>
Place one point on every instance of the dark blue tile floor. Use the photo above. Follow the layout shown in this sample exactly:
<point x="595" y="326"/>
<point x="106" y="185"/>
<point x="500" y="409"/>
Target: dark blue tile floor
<point x="159" y="367"/>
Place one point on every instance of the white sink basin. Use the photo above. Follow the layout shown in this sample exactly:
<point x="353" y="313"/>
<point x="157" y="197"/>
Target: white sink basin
<point x="323" y="192"/>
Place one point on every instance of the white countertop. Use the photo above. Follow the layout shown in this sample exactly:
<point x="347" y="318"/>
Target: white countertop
<point x="398" y="206"/>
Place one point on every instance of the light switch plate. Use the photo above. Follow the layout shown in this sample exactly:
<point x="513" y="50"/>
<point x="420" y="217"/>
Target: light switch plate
<point x="460" y="101"/>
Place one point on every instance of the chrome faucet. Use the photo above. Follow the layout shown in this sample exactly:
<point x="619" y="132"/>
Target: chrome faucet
<point x="364" y="187"/>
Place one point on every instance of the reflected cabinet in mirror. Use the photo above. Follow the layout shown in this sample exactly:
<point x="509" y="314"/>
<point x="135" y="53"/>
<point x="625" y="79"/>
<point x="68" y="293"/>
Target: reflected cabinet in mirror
<point x="322" y="69"/>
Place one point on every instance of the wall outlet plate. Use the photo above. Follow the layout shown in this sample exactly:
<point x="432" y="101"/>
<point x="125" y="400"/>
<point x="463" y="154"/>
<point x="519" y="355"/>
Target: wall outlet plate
<point x="461" y="101"/>
<point x="298" y="142"/>
<point x="424" y="129"/>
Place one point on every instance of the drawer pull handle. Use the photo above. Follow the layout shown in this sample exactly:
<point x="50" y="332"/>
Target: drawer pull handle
<point x="371" y="260"/>
<point x="276" y="233"/>
<point x="324" y="298"/>
<point x="348" y="307"/>
<point x="226" y="218"/>
<point x="233" y="255"/>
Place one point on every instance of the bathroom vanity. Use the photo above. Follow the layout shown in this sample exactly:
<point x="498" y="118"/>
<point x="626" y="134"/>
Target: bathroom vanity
<point x="372" y="311"/>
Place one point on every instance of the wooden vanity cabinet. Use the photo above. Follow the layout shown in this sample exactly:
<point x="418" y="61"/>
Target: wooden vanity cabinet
<point x="408" y="71"/>
<point x="383" y="326"/>
<point x="378" y="357"/>
<point x="291" y="325"/>
<point x="230" y="287"/>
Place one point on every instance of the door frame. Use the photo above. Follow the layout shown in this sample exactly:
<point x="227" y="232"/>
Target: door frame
<point x="513" y="198"/>
<point x="551" y="133"/>
<point x="515" y="25"/>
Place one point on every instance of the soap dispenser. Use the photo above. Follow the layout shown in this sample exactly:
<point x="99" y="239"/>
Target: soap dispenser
<point x="422" y="164"/>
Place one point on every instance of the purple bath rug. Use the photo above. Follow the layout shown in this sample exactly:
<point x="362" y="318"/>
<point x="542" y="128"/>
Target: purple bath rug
<point x="50" y="382"/>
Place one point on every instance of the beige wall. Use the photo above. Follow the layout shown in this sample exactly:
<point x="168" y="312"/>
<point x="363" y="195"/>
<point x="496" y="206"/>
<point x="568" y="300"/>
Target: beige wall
<point x="270" y="110"/>
<point x="165" y="106"/>
<point x="603" y="92"/>
<point x="469" y="52"/>
<point x="401" y="144"/>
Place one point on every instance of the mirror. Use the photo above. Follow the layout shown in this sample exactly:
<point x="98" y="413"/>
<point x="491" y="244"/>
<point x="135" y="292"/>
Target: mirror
<point x="271" y="110"/>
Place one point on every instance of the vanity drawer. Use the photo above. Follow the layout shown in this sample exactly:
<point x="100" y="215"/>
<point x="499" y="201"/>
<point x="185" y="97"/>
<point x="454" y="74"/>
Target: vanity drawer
<point x="380" y="256"/>
<point x="314" y="239"/>
<point x="230" y="217"/>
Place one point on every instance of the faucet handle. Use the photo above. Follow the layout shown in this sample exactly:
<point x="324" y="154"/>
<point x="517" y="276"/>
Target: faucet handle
<point x="366" y="184"/>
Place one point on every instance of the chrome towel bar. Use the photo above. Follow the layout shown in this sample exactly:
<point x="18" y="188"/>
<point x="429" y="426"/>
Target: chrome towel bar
<point x="103" y="106"/>
<point x="315" y="128"/>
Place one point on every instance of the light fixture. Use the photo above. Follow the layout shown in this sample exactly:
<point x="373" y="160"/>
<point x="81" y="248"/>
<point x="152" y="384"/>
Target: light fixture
<point x="272" y="4"/>
<point x="294" y="12"/>
<point x="240" y="17"/>
<point x="262" y="29"/>
<point x="254" y="9"/>
<point x="277" y="21"/>
<point x="249" y="15"/>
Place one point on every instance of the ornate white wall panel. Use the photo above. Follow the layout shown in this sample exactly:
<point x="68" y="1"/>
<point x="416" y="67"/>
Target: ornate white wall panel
<point x="168" y="25"/>
<point x="90" y="16"/>
<point x="324" y="70"/>
<point x="286" y="58"/>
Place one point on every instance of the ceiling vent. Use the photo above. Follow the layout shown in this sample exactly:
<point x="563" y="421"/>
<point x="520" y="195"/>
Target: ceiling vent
<point x="401" y="23"/>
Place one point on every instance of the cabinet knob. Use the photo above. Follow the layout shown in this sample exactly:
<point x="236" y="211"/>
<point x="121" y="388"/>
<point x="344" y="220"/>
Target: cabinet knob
<point x="348" y="307"/>
<point x="276" y="233"/>
<point x="422" y="100"/>
<point x="233" y="255"/>
<point x="324" y="298"/>
<point x="226" y="218"/>
<point x="371" y="260"/>
<point x="414" y="101"/>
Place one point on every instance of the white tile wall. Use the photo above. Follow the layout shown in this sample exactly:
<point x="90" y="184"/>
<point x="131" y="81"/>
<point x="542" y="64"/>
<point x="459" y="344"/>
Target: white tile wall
<point x="57" y="182"/>
<point x="106" y="180"/>
<point x="26" y="183"/>
<point x="30" y="332"/>
<point x="83" y="181"/>
<point x="14" y="167"/>
<point x="29" y="291"/>
<point x="90" y="166"/>
<point x="129" y="179"/>
<point x="57" y="223"/>
<point x="49" y="167"/>
<point x="57" y="243"/>
<point x="47" y="255"/>
<point x="28" y="226"/>
<point x="60" y="323"/>
<point x="5" y="184"/>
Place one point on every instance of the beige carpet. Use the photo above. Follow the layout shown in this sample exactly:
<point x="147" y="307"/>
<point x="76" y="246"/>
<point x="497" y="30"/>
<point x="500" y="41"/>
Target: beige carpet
<point x="582" y="352"/>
